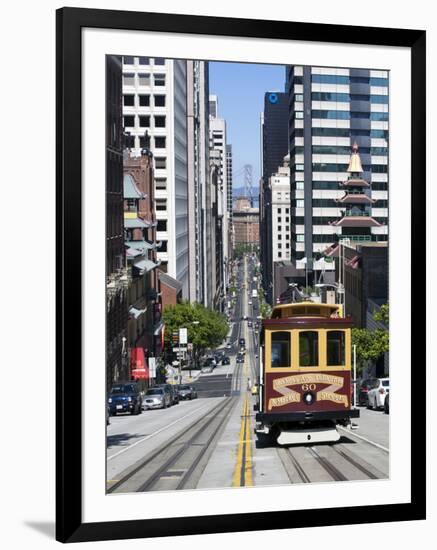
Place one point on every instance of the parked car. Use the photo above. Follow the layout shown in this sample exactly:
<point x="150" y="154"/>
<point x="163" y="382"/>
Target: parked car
<point x="386" y="404"/>
<point x="187" y="392"/>
<point x="174" y="396"/>
<point x="362" y="391"/>
<point x="226" y="360"/>
<point x="209" y="362"/>
<point x="156" y="398"/>
<point x="228" y="345"/>
<point x="249" y="324"/>
<point x="376" y="395"/>
<point x="218" y="356"/>
<point x="125" y="397"/>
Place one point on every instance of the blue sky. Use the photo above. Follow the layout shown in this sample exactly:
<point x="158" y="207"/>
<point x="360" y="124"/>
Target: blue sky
<point x="240" y="88"/>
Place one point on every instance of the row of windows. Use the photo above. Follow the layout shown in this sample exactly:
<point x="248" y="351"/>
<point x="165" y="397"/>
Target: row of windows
<point x="336" y="167"/>
<point x="334" y="185"/>
<point x="329" y="203"/>
<point x="341" y="79"/>
<point x="338" y="150"/>
<point x="144" y="121"/>
<point x="143" y="100"/>
<point x="130" y="60"/>
<point x="333" y="96"/>
<point x="347" y="115"/>
<point x="308" y="352"/>
<point x="144" y="79"/>
<point x="341" y="132"/>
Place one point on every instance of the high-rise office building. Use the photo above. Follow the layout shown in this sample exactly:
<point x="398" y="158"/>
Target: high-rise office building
<point x="199" y="188"/>
<point x="274" y="132"/>
<point x="229" y="180"/>
<point x="274" y="147"/>
<point x="155" y="114"/>
<point x="330" y="110"/>
<point x="217" y="133"/>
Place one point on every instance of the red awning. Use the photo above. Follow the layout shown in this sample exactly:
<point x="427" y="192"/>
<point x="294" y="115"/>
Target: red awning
<point x="138" y="364"/>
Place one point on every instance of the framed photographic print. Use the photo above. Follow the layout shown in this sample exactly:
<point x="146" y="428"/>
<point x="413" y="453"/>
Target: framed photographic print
<point x="240" y="224"/>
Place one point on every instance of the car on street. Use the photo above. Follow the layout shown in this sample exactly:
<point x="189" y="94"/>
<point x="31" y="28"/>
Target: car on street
<point x="250" y="302"/>
<point x="172" y="388"/>
<point x="240" y="358"/>
<point x="226" y="360"/>
<point x="377" y="393"/>
<point x="125" y="397"/>
<point x="187" y="392"/>
<point x="207" y="370"/>
<point x="218" y="356"/>
<point x="362" y="391"/>
<point x="249" y="324"/>
<point x="242" y="343"/>
<point x="156" y="398"/>
<point x="387" y="404"/>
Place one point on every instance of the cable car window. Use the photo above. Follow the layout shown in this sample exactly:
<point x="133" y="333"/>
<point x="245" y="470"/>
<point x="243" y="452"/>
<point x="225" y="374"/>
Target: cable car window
<point x="335" y="348"/>
<point x="309" y="348"/>
<point x="280" y="347"/>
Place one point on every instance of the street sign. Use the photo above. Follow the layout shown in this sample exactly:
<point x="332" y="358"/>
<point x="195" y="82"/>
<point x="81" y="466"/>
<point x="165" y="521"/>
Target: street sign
<point x="152" y="367"/>
<point x="183" y="336"/>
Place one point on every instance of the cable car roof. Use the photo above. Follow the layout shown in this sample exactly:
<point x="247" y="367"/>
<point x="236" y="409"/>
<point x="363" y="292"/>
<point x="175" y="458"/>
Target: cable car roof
<point x="306" y="309"/>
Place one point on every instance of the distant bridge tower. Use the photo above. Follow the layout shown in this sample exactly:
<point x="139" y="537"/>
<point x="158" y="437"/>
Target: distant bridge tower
<point x="248" y="182"/>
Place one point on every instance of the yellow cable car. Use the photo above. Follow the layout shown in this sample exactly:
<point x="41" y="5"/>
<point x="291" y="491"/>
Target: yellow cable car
<point x="305" y="377"/>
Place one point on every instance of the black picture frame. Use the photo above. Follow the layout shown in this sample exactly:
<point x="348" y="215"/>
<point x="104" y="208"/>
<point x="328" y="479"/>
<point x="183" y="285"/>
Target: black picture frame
<point x="69" y="524"/>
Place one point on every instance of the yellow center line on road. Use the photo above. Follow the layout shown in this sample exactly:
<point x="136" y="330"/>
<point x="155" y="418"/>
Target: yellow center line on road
<point x="243" y="469"/>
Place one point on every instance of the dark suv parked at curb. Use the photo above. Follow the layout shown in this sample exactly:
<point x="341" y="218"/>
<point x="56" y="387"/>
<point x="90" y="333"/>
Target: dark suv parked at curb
<point x="125" y="397"/>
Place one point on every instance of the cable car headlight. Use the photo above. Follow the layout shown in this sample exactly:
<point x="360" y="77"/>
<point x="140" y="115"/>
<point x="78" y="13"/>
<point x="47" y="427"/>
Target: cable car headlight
<point x="308" y="398"/>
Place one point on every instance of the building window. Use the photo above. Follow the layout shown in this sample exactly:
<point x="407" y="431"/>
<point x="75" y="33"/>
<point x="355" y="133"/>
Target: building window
<point x="144" y="142"/>
<point x="287" y="219"/>
<point x="159" y="61"/>
<point x="309" y="348"/>
<point x="129" y="79"/>
<point x="162" y="225"/>
<point x="144" y="60"/>
<point x="160" y="142"/>
<point x="298" y="97"/>
<point x="300" y="203"/>
<point x="129" y="100"/>
<point x="287" y="210"/>
<point x="163" y="247"/>
<point x="279" y="254"/>
<point x="279" y="210"/>
<point x="279" y="237"/>
<point x="287" y="236"/>
<point x="299" y="168"/>
<point x="159" y="79"/>
<point x="161" y="183"/>
<point x="161" y="204"/>
<point x="300" y="238"/>
<point x="335" y="348"/>
<point x="129" y="121"/>
<point x="298" y="114"/>
<point x="279" y="227"/>
<point x="144" y="100"/>
<point x="279" y="219"/>
<point x="159" y="121"/>
<point x="128" y="60"/>
<point x="287" y="245"/>
<point x="144" y="121"/>
<point x="144" y="79"/>
<point x="159" y="100"/>
<point x="160" y="163"/>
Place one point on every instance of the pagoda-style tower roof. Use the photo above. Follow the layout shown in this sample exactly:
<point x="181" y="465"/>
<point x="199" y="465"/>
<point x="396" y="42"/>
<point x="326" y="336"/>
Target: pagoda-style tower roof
<point x="355" y="161"/>
<point x="357" y="202"/>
